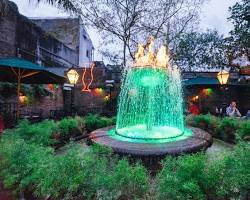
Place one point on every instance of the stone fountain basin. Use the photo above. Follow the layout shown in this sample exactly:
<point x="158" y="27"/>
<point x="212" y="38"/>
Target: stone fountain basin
<point x="198" y="141"/>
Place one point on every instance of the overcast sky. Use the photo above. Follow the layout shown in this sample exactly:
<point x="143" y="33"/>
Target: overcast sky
<point x="214" y="15"/>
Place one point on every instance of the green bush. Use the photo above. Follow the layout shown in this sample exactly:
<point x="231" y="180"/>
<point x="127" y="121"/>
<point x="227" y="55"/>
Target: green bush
<point x="194" y="177"/>
<point x="62" y="177"/>
<point x="244" y="130"/>
<point x="67" y="128"/>
<point x="40" y="133"/>
<point x="66" y="125"/>
<point x="91" y="174"/>
<point x="76" y="174"/>
<point x="182" y="178"/>
<point x="19" y="160"/>
<point x="94" y="121"/>
<point x="95" y="173"/>
<point x="236" y="172"/>
<point x="207" y="122"/>
<point x="227" y="129"/>
<point x="130" y="181"/>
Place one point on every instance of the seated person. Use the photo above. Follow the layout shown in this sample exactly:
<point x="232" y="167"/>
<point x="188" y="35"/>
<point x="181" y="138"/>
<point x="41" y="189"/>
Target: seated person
<point x="232" y="110"/>
<point x="193" y="109"/>
<point x="248" y="114"/>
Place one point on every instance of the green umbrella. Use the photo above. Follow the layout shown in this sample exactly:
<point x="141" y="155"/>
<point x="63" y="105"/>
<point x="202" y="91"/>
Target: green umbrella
<point x="18" y="70"/>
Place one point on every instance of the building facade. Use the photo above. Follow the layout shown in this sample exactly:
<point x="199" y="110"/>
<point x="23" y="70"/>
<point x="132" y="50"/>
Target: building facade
<point x="72" y="33"/>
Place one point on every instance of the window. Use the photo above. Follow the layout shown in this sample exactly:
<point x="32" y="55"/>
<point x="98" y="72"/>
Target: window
<point x="87" y="53"/>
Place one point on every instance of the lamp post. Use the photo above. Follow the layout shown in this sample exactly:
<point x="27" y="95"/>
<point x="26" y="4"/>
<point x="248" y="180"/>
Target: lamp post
<point x="222" y="77"/>
<point x="73" y="77"/>
<point x="110" y="85"/>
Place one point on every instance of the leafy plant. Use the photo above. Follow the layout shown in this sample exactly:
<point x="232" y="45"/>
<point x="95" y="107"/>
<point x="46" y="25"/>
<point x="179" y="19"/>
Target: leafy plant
<point x="182" y="178"/>
<point x="195" y="177"/>
<point x="227" y="128"/>
<point x="66" y="125"/>
<point x="244" y="130"/>
<point x="40" y="133"/>
<point x="62" y="176"/>
<point x="19" y="161"/>
<point x="207" y="122"/>
<point x="131" y="181"/>
<point x="94" y="121"/>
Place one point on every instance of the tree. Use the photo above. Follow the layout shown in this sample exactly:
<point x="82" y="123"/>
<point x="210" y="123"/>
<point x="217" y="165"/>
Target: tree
<point x="127" y="22"/>
<point x="67" y="5"/>
<point x="239" y="40"/>
<point x="200" y="50"/>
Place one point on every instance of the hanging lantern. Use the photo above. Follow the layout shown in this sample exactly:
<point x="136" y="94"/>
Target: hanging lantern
<point x="223" y="76"/>
<point x="73" y="76"/>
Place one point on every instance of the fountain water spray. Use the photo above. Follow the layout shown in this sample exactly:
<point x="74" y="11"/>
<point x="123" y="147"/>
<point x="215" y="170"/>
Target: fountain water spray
<point x="150" y="101"/>
<point x="150" y="111"/>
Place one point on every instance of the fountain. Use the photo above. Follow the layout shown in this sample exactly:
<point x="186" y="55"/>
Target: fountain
<point x="150" y="118"/>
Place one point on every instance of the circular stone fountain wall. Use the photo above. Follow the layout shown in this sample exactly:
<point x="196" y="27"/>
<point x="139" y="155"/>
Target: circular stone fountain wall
<point x="193" y="141"/>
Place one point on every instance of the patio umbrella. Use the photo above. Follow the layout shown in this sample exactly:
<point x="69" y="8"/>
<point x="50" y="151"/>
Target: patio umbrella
<point x="18" y="70"/>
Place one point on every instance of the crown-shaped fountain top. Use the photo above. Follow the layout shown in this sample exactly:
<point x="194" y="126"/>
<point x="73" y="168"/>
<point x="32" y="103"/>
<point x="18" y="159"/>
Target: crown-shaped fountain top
<point x="159" y="58"/>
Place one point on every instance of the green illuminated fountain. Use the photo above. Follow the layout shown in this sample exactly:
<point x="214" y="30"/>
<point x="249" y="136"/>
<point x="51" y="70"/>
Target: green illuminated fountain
<point x="150" y="118"/>
<point x="150" y="102"/>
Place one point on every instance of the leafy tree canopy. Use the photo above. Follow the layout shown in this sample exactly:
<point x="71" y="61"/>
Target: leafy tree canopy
<point x="200" y="50"/>
<point x="239" y="40"/>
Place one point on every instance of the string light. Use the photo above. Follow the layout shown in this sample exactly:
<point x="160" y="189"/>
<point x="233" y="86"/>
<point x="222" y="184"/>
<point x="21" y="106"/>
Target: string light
<point x="207" y="91"/>
<point x="87" y="85"/>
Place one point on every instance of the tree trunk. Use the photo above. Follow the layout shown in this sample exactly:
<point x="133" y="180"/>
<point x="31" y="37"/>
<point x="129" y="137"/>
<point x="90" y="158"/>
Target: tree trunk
<point x="124" y="53"/>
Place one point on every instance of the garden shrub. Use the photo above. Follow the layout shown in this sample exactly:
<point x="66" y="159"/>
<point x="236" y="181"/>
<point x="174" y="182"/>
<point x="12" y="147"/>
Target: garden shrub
<point x="130" y="181"/>
<point x="91" y="120"/>
<point x="66" y="125"/>
<point x="90" y="174"/>
<point x="194" y="177"/>
<point x="69" y="127"/>
<point x="39" y="133"/>
<point x="227" y="128"/>
<point x="244" y="130"/>
<point x="207" y="122"/>
<point x="62" y="177"/>
<point x="19" y="160"/>
<point x="95" y="173"/>
<point x="229" y="177"/>
<point x="95" y="121"/>
<point x="182" y="178"/>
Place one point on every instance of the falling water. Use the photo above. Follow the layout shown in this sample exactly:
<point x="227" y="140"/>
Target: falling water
<point x="150" y="104"/>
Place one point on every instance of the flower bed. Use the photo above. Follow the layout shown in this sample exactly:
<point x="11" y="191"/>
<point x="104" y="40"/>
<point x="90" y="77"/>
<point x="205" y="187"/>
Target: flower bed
<point x="30" y="165"/>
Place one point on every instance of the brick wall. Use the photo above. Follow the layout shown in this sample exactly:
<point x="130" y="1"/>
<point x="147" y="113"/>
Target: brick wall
<point x="8" y="31"/>
<point x="46" y="104"/>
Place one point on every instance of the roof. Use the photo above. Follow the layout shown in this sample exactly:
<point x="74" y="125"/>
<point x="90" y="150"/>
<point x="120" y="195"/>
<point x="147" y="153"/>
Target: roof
<point x="57" y="70"/>
<point x="201" y="81"/>
<point x="20" y="63"/>
<point x="9" y="67"/>
<point x="209" y="81"/>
